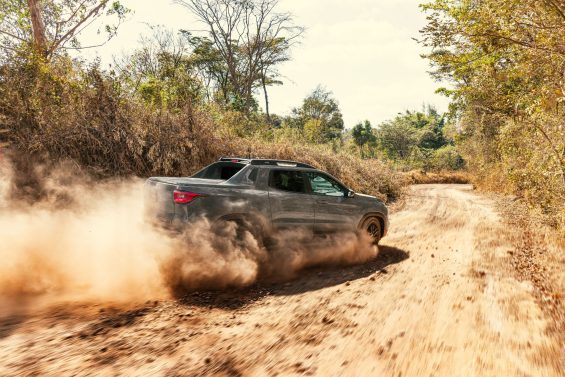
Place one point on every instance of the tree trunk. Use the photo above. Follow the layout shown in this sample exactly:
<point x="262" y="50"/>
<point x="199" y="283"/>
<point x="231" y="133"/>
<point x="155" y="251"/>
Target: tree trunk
<point x="38" y="27"/>
<point x="266" y="98"/>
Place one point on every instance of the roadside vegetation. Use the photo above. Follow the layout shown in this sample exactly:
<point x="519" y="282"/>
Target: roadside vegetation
<point x="503" y="64"/>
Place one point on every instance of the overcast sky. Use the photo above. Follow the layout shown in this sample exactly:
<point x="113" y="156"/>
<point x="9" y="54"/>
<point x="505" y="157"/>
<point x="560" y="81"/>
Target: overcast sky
<point x="361" y="50"/>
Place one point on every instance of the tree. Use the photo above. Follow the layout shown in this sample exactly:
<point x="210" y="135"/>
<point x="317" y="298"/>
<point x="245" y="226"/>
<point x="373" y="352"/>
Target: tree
<point x="37" y="25"/>
<point x="53" y="25"/>
<point x="397" y="138"/>
<point x="163" y="71"/>
<point x="313" y="131"/>
<point x="251" y="38"/>
<point x="320" y="106"/>
<point x="363" y="135"/>
<point x="429" y="126"/>
<point x="211" y="68"/>
<point x="413" y="129"/>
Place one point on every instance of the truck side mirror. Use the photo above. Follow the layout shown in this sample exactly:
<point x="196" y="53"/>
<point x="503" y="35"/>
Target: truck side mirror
<point x="350" y="194"/>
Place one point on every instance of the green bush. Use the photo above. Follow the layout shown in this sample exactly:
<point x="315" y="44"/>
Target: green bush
<point x="447" y="158"/>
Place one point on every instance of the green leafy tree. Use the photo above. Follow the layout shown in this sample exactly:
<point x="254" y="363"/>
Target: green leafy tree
<point x="397" y="138"/>
<point x="163" y="70"/>
<point x="410" y="130"/>
<point x="428" y="125"/>
<point x="447" y="158"/>
<point x="363" y="133"/>
<point x="323" y="108"/>
<point x="363" y="136"/>
<point x="313" y="131"/>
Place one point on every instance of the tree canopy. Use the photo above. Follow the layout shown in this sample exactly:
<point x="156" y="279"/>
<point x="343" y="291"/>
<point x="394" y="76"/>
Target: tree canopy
<point x="319" y="115"/>
<point x="53" y="25"/>
<point x="251" y="38"/>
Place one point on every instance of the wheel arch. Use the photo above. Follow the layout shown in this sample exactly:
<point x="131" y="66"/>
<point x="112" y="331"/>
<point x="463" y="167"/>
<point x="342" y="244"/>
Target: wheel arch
<point x="379" y="216"/>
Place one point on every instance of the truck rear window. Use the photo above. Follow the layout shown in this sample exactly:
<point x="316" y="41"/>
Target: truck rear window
<point x="219" y="170"/>
<point x="227" y="172"/>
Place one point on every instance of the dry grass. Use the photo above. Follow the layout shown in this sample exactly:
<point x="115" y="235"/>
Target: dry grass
<point x="371" y="176"/>
<point x="542" y="194"/>
<point x="421" y="177"/>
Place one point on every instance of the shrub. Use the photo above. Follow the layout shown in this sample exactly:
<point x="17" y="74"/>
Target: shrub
<point x="60" y="112"/>
<point x="447" y="158"/>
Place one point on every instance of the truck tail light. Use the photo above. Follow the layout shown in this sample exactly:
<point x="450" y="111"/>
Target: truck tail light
<point x="183" y="197"/>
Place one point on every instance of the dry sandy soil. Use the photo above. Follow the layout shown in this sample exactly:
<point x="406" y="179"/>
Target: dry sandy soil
<point x="441" y="299"/>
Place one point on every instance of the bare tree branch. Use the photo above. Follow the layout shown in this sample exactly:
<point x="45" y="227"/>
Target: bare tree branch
<point x="250" y="36"/>
<point x="12" y="35"/>
<point x="69" y="34"/>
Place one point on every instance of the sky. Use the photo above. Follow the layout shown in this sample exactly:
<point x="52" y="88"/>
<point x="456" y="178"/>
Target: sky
<point x="361" y="50"/>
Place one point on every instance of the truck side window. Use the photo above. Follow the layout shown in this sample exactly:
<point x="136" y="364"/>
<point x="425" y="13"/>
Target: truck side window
<point x="324" y="185"/>
<point x="287" y="180"/>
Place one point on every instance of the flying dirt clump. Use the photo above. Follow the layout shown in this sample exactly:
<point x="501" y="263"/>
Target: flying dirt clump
<point x="94" y="245"/>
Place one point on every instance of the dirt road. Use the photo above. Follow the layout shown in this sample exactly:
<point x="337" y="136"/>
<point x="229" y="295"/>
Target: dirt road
<point x="440" y="299"/>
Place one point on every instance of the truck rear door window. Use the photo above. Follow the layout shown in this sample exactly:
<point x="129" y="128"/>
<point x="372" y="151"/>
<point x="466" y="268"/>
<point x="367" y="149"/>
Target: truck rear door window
<point x="287" y="180"/>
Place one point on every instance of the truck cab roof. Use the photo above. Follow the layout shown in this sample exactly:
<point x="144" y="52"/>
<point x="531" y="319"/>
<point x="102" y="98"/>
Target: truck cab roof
<point x="227" y="167"/>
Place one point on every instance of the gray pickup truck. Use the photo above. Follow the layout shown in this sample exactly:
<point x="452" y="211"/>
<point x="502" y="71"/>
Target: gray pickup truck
<point x="285" y="194"/>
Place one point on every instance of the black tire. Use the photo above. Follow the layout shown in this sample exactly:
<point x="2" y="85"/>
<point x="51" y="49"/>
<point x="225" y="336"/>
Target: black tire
<point x="372" y="225"/>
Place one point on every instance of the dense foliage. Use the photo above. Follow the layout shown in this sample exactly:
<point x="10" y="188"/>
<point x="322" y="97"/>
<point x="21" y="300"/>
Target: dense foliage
<point x="412" y="140"/>
<point x="504" y="61"/>
<point x="319" y="118"/>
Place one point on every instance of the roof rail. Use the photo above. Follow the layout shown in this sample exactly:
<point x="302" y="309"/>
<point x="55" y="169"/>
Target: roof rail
<point x="280" y="163"/>
<point x="262" y="161"/>
<point x="235" y="159"/>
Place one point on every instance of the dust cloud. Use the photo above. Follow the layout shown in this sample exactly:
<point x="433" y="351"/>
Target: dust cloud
<point x="88" y="241"/>
<point x="205" y="258"/>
